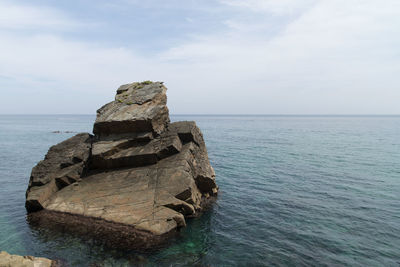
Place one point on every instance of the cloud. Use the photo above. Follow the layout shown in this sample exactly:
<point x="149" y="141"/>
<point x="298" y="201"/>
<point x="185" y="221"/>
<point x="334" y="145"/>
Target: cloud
<point x="17" y="17"/>
<point x="278" y="7"/>
<point x="51" y="65"/>
<point x="336" y="57"/>
<point x="326" y="57"/>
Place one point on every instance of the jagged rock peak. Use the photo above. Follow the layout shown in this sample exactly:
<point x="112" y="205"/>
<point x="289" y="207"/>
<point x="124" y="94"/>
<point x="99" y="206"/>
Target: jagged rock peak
<point x="138" y="108"/>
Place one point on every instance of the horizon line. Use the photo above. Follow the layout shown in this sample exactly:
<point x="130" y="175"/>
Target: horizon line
<point x="200" y="114"/>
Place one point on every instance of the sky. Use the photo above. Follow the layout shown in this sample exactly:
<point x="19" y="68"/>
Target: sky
<point x="215" y="56"/>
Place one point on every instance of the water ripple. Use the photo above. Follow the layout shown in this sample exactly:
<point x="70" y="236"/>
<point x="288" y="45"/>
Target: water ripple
<point x="294" y="191"/>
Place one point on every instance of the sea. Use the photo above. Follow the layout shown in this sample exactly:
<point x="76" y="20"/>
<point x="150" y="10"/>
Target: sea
<point x="294" y="191"/>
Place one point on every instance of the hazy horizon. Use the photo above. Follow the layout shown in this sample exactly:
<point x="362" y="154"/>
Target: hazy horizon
<point x="254" y="57"/>
<point x="222" y="114"/>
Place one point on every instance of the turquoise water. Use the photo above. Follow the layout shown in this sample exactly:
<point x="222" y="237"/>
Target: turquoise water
<point x="294" y="191"/>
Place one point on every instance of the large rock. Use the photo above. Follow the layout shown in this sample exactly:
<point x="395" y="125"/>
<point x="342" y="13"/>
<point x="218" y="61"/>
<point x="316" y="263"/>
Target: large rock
<point x="133" y="183"/>
<point x="8" y="260"/>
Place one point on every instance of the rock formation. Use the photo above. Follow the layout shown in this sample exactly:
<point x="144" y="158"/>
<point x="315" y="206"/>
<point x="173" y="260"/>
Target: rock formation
<point x="134" y="182"/>
<point x="8" y="260"/>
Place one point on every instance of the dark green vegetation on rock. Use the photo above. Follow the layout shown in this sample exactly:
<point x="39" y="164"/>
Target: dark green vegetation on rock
<point x="135" y="181"/>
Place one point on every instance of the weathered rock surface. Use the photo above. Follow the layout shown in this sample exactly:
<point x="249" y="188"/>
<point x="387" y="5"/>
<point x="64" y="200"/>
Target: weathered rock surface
<point x="63" y="165"/>
<point x="8" y="260"/>
<point x="134" y="182"/>
<point x="138" y="108"/>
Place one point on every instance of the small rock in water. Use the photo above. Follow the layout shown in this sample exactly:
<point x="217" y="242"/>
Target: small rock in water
<point x="63" y="132"/>
<point x="16" y="260"/>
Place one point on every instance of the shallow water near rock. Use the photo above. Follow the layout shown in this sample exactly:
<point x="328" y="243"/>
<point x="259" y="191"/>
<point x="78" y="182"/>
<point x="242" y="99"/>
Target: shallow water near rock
<point x="294" y="190"/>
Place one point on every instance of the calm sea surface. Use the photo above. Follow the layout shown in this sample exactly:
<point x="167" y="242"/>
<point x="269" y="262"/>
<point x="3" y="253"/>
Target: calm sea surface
<point x="294" y="191"/>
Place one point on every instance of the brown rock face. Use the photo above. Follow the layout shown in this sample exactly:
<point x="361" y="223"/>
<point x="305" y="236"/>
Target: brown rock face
<point x="135" y="181"/>
<point x="26" y="261"/>
<point x="138" y="108"/>
<point x="63" y="165"/>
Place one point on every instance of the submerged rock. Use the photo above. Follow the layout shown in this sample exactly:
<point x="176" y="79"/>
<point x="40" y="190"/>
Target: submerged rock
<point x="8" y="260"/>
<point x="133" y="183"/>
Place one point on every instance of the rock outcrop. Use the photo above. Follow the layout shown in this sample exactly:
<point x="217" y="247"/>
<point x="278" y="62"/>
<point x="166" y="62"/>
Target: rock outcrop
<point x="8" y="260"/>
<point x="131" y="184"/>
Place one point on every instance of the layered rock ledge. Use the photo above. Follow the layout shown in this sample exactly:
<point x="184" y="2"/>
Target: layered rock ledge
<point x="131" y="184"/>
